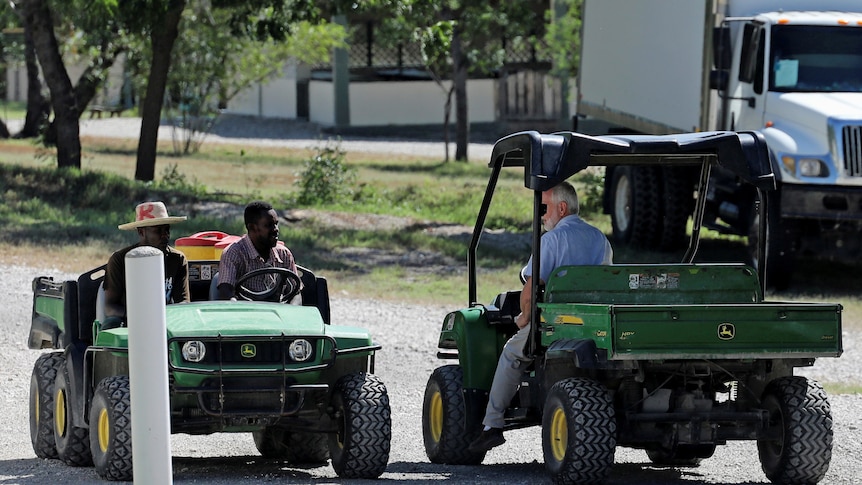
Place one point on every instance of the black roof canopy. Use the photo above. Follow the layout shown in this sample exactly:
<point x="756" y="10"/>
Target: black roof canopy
<point x="552" y="158"/>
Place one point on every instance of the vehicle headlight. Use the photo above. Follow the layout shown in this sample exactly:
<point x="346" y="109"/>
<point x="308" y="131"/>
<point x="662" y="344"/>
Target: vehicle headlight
<point x="811" y="167"/>
<point x="300" y="350"/>
<point x="789" y="163"/>
<point x="194" y="351"/>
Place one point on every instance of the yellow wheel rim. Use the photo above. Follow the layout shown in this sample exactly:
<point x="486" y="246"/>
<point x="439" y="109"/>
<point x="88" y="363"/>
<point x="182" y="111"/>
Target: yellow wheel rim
<point x="559" y="434"/>
<point x="435" y="417"/>
<point x="36" y="407"/>
<point x="104" y="426"/>
<point x="60" y="413"/>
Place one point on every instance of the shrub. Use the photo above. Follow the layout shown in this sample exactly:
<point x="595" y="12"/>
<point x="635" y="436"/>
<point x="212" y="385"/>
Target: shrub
<point x="326" y="178"/>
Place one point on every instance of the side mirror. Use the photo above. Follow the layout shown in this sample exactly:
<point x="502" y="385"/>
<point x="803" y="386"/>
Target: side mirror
<point x="718" y="79"/>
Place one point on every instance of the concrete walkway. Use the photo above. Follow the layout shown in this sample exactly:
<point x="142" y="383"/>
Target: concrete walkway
<point x="242" y="130"/>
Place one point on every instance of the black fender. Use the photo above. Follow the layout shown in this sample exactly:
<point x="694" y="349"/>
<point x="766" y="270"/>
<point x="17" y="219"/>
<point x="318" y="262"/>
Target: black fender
<point x="569" y="358"/>
<point x="44" y="333"/>
<point x="582" y="353"/>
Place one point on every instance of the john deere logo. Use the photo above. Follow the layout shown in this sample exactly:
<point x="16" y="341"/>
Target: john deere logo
<point x="248" y="350"/>
<point x="726" y="331"/>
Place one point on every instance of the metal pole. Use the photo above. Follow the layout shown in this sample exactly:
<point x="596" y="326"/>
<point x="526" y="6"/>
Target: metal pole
<point x="341" y="79"/>
<point x="148" y="366"/>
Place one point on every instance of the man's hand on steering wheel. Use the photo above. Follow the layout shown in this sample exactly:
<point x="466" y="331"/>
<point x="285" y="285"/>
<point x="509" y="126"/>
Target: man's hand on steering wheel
<point x="284" y="286"/>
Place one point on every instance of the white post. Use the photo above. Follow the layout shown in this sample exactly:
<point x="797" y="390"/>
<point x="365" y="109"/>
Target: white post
<point x="148" y="366"/>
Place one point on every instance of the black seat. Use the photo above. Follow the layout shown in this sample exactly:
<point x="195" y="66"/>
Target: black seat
<point x="88" y="288"/>
<point x="315" y="292"/>
<point x="504" y="309"/>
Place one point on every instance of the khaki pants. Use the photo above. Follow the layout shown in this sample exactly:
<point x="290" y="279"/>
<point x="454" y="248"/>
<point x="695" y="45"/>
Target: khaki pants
<point x="507" y="378"/>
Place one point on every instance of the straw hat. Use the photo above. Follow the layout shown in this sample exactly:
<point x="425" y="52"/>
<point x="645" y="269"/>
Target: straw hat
<point x="151" y="214"/>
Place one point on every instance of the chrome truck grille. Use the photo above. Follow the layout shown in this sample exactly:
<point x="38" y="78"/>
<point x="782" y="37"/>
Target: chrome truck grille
<point x="851" y="144"/>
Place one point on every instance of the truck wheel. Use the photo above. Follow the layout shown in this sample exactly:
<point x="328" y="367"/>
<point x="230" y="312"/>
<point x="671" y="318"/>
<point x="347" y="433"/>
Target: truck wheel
<point x="446" y="427"/>
<point x="578" y="431"/>
<point x="799" y="446"/>
<point x="636" y="206"/>
<point x="682" y="455"/>
<point x="295" y="447"/>
<point x="111" y="429"/>
<point x="72" y="441"/>
<point x="42" y="404"/>
<point x="360" y="447"/>
<point x="677" y="205"/>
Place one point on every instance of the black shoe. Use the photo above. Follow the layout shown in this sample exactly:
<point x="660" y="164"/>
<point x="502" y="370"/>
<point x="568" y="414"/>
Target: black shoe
<point x="487" y="440"/>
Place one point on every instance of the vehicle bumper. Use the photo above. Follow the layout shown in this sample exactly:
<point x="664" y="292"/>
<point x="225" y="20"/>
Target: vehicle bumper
<point x="821" y="202"/>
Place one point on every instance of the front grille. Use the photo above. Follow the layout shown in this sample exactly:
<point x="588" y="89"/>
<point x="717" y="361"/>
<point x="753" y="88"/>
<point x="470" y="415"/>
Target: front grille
<point x="256" y="354"/>
<point x="851" y="136"/>
<point x="245" y="351"/>
<point x="267" y="352"/>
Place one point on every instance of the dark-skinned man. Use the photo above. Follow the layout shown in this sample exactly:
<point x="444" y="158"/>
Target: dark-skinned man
<point x="257" y="249"/>
<point x="153" y="225"/>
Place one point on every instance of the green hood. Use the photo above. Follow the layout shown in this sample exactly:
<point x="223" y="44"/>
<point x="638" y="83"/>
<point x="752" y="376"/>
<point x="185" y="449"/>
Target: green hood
<point x="241" y="318"/>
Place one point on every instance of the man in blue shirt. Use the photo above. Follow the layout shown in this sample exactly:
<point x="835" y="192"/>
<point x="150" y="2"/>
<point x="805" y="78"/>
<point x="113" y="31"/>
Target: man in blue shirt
<point x="568" y="240"/>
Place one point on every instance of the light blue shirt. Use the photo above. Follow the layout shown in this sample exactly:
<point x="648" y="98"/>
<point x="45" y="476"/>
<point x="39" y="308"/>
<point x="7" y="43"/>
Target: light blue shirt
<point x="571" y="242"/>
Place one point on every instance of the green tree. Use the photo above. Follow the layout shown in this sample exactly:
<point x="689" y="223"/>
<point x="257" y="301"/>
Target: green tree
<point x="466" y="36"/>
<point x="101" y="29"/>
<point x="261" y="20"/>
<point x="562" y="44"/>
<point x="95" y="20"/>
<point x="211" y="66"/>
<point x="158" y="21"/>
<point x="17" y="48"/>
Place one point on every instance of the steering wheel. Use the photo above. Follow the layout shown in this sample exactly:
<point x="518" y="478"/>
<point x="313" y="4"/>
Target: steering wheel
<point x="285" y="285"/>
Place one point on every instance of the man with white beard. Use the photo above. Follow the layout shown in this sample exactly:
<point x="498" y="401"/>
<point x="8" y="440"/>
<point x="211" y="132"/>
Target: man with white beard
<point x="568" y="240"/>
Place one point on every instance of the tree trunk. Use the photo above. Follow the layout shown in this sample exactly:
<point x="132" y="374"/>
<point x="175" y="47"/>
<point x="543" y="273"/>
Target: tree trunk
<point x="88" y="84"/>
<point x="447" y="115"/>
<point x="95" y="74"/>
<point x="459" y="79"/>
<point x="38" y="108"/>
<point x="36" y="16"/>
<point x="162" y="37"/>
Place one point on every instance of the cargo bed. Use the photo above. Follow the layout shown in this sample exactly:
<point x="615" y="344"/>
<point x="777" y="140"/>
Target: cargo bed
<point x="636" y="312"/>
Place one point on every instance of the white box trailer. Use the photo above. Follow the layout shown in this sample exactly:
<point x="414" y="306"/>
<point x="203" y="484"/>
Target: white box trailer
<point x="636" y="73"/>
<point x="789" y="69"/>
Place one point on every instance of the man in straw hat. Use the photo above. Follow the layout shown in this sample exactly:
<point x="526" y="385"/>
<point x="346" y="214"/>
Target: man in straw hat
<point x="154" y="229"/>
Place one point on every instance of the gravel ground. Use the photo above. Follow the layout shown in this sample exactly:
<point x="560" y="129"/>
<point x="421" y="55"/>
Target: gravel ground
<point x="408" y="334"/>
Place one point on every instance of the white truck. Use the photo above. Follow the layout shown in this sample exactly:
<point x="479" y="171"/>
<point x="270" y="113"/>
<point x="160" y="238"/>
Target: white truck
<point x="791" y="69"/>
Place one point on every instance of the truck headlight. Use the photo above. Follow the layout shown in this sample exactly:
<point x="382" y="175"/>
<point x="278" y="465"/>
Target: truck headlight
<point x="300" y="350"/>
<point x="194" y="351"/>
<point x="811" y="167"/>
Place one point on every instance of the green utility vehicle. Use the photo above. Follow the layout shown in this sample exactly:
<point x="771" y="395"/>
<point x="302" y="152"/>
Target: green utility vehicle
<point x="304" y="388"/>
<point x="674" y="359"/>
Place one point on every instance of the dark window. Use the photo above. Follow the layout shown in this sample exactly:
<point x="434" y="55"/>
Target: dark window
<point x="815" y="58"/>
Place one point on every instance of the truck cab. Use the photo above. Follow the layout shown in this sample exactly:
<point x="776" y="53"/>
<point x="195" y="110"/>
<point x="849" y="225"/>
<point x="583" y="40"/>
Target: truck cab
<point x="790" y="69"/>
